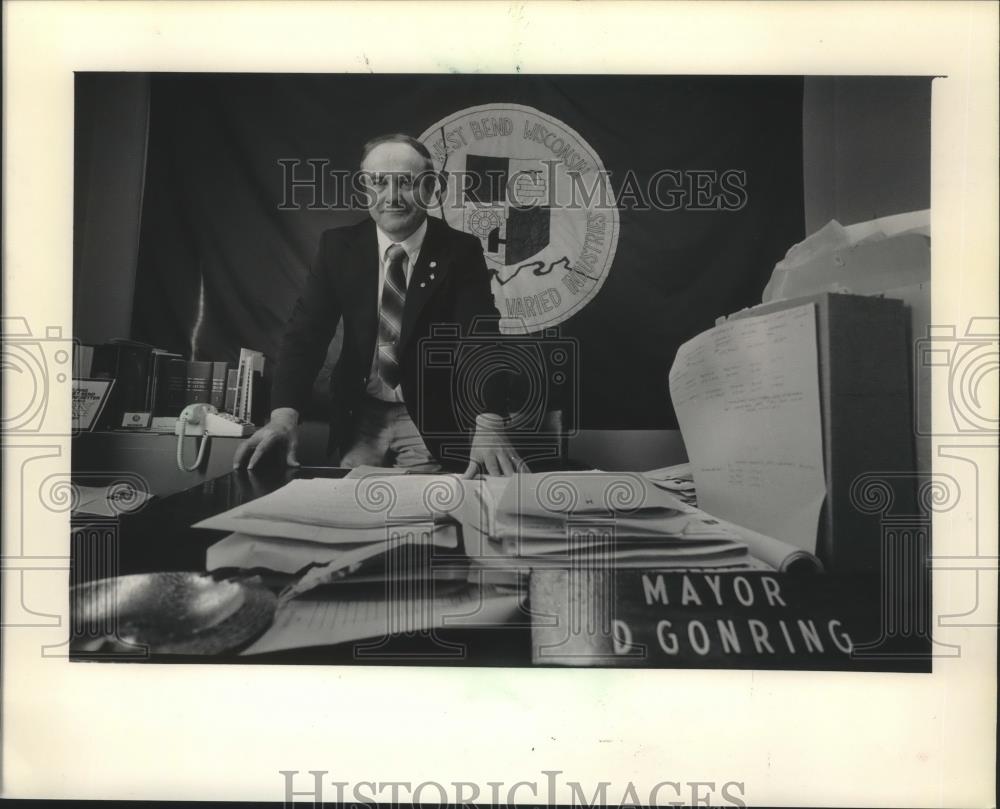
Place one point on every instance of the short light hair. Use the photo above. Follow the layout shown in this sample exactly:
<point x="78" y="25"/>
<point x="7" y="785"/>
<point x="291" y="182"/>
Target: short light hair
<point x="398" y="137"/>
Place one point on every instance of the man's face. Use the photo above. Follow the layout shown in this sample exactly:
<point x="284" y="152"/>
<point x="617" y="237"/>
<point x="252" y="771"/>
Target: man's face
<point x="397" y="203"/>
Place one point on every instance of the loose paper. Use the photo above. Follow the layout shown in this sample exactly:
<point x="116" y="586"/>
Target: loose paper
<point x="308" y="622"/>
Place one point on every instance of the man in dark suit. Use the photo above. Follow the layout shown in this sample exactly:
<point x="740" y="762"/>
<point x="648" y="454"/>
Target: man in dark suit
<point x="396" y="280"/>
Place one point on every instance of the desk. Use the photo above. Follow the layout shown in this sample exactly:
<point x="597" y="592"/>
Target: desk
<point x="159" y="537"/>
<point x="149" y="458"/>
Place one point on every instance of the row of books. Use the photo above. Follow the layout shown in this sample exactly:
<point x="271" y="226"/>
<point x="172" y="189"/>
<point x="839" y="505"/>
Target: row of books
<point x="160" y="384"/>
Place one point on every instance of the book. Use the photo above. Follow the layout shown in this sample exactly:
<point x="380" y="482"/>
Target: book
<point x="83" y="359"/>
<point x="250" y="369"/>
<point x="173" y="387"/>
<point x="156" y="397"/>
<point x="229" y="403"/>
<point x="217" y="396"/>
<point x="259" y="399"/>
<point x="198" y="384"/>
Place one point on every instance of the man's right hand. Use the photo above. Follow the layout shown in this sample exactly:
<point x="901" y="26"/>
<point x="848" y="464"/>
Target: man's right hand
<point x="280" y="434"/>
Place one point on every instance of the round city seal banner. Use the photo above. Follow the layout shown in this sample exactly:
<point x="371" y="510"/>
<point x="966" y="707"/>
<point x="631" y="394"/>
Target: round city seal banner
<point x="538" y="197"/>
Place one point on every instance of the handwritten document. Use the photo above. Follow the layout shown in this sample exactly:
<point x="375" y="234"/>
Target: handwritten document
<point x="746" y="394"/>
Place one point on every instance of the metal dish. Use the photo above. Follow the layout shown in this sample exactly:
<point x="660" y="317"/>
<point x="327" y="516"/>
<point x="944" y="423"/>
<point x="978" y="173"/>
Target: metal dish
<point x="167" y="613"/>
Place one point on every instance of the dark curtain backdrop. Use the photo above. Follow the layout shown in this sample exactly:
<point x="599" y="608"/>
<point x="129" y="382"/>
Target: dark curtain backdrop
<point x="214" y="185"/>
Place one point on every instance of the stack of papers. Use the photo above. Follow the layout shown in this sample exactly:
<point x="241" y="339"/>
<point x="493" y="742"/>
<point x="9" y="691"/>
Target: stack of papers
<point x="772" y="553"/>
<point x="677" y="479"/>
<point x="316" y="521"/>
<point x="594" y="519"/>
<point x="283" y="555"/>
<point x="393" y="543"/>
<point x="438" y="526"/>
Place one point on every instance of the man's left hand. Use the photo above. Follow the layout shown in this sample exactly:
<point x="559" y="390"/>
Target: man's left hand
<point x="491" y="450"/>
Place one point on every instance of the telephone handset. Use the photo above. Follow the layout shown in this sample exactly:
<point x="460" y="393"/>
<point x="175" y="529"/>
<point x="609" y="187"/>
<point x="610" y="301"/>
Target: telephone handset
<point x="205" y="420"/>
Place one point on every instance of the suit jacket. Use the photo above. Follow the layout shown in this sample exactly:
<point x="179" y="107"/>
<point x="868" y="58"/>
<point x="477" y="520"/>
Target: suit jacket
<point x="442" y="362"/>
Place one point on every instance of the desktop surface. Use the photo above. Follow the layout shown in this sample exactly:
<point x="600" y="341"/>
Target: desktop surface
<point x="159" y="537"/>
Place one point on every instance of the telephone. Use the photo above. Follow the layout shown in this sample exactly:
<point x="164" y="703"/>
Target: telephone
<point x="206" y="420"/>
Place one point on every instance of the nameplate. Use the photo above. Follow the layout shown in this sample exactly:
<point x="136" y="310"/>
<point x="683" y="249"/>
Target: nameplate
<point x="702" y="619"/>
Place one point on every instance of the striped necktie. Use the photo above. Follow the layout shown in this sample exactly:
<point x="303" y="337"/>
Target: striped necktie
<point x="390" y="318"/>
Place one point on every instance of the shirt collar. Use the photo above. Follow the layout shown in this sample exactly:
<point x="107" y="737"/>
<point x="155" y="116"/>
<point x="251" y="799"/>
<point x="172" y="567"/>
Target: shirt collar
<point x="411" y="244"/>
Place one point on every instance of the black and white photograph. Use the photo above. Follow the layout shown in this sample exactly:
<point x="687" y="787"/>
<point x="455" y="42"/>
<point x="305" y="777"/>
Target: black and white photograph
<point x="501" y="352"/>
<point x="428" y="372"/>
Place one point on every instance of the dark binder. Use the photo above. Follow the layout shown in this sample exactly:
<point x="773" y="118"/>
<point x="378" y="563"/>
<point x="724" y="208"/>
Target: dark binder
<point x="156" y="399"/>
<point x="174" y="387"/>
<point x="199" y="382"/>
<point x="217" y="397"/>
<point x="129" y="365"/>
<point x="231" y="382"/>
<point x="259" y="398"/>
<point x="866" y="407"/>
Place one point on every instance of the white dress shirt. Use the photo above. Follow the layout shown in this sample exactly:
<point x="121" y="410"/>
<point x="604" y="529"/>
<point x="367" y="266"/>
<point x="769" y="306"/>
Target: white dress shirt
<point x="411" y="245"/>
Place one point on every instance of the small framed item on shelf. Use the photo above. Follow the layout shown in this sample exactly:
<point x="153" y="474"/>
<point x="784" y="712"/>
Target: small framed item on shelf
<point x="137" y="421"/>
<point x="89" y="398"/>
